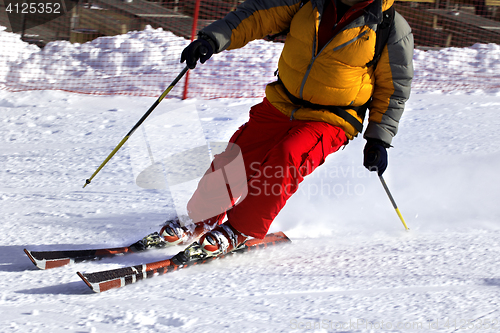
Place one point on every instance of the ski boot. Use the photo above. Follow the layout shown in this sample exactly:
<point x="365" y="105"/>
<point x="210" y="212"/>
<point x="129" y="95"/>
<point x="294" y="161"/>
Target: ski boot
<point x="175" y="234"/>
<point x="172" y="233"/>
<point x="221" y="240"/>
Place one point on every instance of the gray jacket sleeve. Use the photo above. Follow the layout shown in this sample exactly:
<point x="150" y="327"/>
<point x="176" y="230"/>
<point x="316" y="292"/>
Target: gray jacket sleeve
<point x="393" y="77"/>
<point x="253" y="19"/>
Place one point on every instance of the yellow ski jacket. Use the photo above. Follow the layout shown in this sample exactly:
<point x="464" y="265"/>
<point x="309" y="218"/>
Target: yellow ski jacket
<point x="335" y="75"/>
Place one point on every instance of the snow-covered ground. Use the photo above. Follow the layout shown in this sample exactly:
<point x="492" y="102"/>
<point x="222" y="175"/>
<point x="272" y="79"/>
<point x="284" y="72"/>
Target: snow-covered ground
<point x="350" y="259"/>
<point x="140" y="63"/>
<point x="351" y="266"/>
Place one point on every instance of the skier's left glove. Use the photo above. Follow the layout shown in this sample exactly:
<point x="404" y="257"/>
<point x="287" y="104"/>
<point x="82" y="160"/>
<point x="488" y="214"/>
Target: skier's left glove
<point x="375" y="156"/>
<point x="201" y="49"/>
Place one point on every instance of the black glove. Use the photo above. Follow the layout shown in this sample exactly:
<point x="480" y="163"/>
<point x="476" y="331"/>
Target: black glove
<point x="375" y="158"/>
<point x="201" y="49"/>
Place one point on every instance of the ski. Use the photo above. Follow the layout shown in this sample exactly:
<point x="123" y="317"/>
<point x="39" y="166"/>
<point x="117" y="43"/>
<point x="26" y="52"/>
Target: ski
<point x="53" y="259"/>
<point x="120" y="277"/>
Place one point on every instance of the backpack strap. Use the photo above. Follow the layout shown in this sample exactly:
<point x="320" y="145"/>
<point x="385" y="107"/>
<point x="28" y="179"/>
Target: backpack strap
<point x="340" y="111"/>
<point x="382" y="33"/>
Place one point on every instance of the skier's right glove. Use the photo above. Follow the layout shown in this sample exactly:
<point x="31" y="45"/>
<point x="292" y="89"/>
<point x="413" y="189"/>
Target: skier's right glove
<point x="201" y="49"/>
<point x="375" y="156"/>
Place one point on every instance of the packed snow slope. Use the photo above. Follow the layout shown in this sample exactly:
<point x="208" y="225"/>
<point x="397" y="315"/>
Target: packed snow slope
<point x="351" y="266"/>
<point x="350" y="260"/>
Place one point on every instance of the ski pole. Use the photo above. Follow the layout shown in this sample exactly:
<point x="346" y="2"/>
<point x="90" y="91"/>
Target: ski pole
<point x="155" y="104"/>
<point x="392" y="200"/>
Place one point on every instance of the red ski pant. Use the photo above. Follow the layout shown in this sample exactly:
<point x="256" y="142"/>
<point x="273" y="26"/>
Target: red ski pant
<point x="277" y="153"/>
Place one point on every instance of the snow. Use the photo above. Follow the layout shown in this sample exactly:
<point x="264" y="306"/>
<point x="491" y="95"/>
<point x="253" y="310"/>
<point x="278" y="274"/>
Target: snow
<point x="351" y="266"/>
<point x="137" y="63"/>
<point x="142" y="63"/>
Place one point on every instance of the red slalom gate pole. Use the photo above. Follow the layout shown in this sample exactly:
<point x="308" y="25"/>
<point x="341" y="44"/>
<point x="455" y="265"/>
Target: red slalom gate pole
<point x="193" y="33"/>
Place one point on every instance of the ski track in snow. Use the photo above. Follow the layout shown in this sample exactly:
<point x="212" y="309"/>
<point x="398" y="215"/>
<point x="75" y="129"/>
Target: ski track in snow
<point x="351" y="266"/>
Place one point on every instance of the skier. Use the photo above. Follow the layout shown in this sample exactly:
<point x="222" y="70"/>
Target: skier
<point x="327" y="79"/>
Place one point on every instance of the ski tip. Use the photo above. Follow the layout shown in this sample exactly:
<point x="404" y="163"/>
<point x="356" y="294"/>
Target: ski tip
<point x="273" y="238"/>
<point x="99" y="287"/>
<point x="281" y="234"/>
<point x="33" y="260"/>
<point x="87" y="282"/>
<point x="45" y="263"/>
